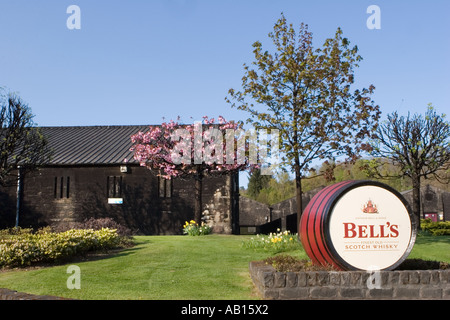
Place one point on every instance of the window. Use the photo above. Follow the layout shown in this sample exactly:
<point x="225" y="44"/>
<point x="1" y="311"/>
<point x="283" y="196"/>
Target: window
<point x="114" y="187"/>
<point x="165" y="188"/>
<point x="58" y="188"/>
<point x="55" y="189"/>
<point x="67" y="187"/>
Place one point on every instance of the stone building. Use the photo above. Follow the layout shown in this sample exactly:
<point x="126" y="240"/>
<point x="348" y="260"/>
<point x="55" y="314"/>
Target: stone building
<point x="256" y="217"/>
<point x="435" y="203"/>
<point x="93" y="174"/>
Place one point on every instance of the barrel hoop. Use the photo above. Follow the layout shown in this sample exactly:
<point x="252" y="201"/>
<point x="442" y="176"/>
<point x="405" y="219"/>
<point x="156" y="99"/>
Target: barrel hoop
<point x="314" y="247"/>
<point x="305" y="222"/>
<point x="320" y="222"/>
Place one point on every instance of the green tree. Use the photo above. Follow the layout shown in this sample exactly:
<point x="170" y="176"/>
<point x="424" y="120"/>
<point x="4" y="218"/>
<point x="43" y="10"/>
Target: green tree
<point x="256" y="183"/>
<point x="418" y="146"/>
<point x="306" y="94"/>
<point x="276" y="189"/>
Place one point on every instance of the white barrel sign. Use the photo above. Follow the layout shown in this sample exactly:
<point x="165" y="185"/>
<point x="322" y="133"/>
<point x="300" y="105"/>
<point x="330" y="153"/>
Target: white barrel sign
<point x="358" y="225"/>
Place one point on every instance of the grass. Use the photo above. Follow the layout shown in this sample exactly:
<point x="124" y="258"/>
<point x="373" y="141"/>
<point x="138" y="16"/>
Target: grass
<point x="213" y="267"/>
<point x="158" y="267"/>
<point x="429" y="247"/>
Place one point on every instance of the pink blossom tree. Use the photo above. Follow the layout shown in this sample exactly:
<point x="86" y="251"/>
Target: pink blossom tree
<point x="193" y="150"/>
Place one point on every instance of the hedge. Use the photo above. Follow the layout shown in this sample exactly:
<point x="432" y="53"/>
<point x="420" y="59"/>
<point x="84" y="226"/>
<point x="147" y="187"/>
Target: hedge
<point x="22" y="247"/>
<point x="435" y="228"/>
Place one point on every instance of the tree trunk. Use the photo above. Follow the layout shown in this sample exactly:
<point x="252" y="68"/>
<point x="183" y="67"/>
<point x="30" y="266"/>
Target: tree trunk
<point x="416" y="200"/>
<point x="298" y="194"/>
<point x="198" y="198"/>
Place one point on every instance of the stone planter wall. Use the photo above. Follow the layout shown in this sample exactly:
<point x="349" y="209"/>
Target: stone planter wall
<point x="341" y="285"/>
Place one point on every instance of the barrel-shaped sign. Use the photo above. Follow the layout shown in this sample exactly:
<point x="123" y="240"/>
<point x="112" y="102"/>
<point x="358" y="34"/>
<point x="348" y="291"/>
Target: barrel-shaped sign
<point x="358" y="225"/>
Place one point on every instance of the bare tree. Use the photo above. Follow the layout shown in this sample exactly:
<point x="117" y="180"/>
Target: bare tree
<point x="418" y="146"/>
<point x="21" y="144"/>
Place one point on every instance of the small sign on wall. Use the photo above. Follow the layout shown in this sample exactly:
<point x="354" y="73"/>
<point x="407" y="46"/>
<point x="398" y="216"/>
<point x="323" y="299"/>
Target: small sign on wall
<point x="115" y="200"/>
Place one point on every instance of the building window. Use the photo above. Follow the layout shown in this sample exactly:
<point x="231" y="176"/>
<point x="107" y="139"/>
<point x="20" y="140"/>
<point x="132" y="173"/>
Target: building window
<point x="61" y="188"/>
<point x="114" y="187"/>
<point x="165" y="187"/>
<point x="55" y="189"/>
<point x="58" y="188"/>
<point x="67" y="187"/>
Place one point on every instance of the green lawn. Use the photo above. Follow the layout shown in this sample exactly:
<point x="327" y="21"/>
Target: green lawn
<point x="432" y="248"/>
<point x="158" y="267"/>
<point x="173" y="267"/>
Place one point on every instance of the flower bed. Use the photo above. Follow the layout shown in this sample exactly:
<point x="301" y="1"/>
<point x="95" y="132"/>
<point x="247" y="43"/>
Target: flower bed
<point x="193" y="229"/>
<point x="275" y="242"/>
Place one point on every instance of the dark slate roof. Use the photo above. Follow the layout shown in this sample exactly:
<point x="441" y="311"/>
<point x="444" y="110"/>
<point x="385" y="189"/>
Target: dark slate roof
<point x="93" y="145"/>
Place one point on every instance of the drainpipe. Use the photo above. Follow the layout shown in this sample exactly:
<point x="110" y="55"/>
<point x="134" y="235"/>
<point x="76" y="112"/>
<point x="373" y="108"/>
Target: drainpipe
<point x="19" y="194"/>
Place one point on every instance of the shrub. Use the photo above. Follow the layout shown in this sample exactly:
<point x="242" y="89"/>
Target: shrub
<point x="277" y="242"/>
<point x="109" y="223"/>
<point x="286" y="263"/>
<point x="24" y="248"/>
<point x="5" y="233"/>
<point x="96" y="224"/>
<point x="435" y="228"/>
<point x="193" y="229"/>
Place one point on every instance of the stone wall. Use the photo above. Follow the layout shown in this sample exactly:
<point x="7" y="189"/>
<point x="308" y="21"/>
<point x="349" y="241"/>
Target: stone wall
<point x="433" y="200"/>
<point x="67" y="194"/>
<point x="219" y="197"/>
<point x="342" y="285"/>
<point x="256" y="214"/>
<point x="252" y="212"/>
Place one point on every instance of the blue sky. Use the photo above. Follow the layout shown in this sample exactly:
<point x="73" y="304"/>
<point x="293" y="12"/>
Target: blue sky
<point x="135" y="62"/>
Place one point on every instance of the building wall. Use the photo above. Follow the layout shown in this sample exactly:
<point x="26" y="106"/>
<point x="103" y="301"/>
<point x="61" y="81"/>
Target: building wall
<point x="433" y="200"/>
<point x="253" y="213"/>
<point x="63" y="195"/>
